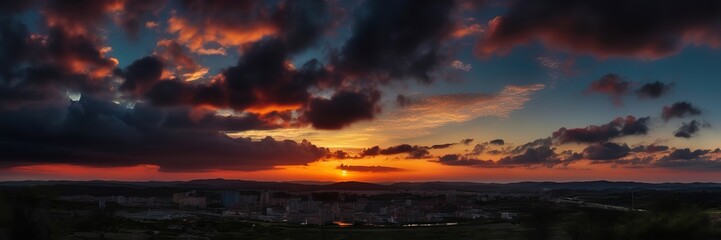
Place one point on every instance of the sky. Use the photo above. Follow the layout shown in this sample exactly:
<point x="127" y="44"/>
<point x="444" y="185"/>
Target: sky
<point x="378" y="91"/>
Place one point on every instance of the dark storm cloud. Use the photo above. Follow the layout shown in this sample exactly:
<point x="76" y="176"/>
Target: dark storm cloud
<point x="142" y="73"/>
<point x="679" y="110"/>
<point x="262" y="77"/>
<point x="378" y="169"/>
<point x="170" y="93"/>
<point x="78" y="16"/>
<point x="342" y="109"/>
<point x="606" y="151"/>
<point x="298" y="24"/>
<point x="15" y="7"/>
<point x="94" y="132"/>
<point x="612" y="84"/>
<point x="647" y="28"/>
<point x="302" y="23"/>
<point x="396" y="40"/>
<point x="15" y="48"/>
<point x="619" y="127"/>
<point x="40" y="68"/>
<point x="87" y="16"/>
<point x="498" y="142"/>
<point x="458" y="160"/>
<point x="654" y="89"/>
<point x="136" y="12"/>
<point x="206" y="120"/>
<point x="688" y="130"/>
<point x="467" y="141"/>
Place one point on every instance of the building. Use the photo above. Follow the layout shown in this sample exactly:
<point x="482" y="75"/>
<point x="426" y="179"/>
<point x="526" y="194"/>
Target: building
<point x="189" y="199"/>
<point x="508" y="215"/>
<point x="230" y="199"/>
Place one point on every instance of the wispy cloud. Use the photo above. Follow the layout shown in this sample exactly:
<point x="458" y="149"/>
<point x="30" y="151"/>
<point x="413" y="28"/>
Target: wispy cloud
<point x="438" y="110"/>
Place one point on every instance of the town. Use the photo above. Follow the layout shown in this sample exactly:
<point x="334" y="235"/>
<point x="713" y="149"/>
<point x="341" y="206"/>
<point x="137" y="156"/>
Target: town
<point x="232" y="209"/>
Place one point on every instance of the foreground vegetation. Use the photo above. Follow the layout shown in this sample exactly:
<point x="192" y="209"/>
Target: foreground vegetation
<point x="28" y="214"/>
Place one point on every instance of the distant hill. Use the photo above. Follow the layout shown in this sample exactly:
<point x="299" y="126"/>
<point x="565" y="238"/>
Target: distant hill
<point x="364" y="186"/>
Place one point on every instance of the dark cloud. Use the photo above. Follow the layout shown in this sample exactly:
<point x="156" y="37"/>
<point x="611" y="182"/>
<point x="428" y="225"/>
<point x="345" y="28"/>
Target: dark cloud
<point x="13" y="42"/>
<point x="378" y="169"/>
<point x="612" y="84"/>
<point x="301" y="23"/>
<point x="688" y="130"/>
<point x="467" y="141"/>
<point x="86" y="17"/>
<point x="297" y="24"/>
<point x="605" y="28"/>
<point x="402" y="100"/>
<point x="372" y="151"/>
<point x="419" y="154"/>
<point x="679" y="110"/>
<point x="170" y="93"/>
<point x="691" y="160"/>
<point x="636" y="161"/>
<point x="541" y="142"/>
<point x="39" y="69"/>
<point x="142" y="74"/>
<point x="650" y="148"/>
<point x="495" y="152"/>
<point x="606" y="151"/>
<point x="415" y="152"/>
<point x="340" y="154"/>
<point x="94" y="132"/>
<point x="176" y="57"/>
<point x="263" y="78"/>
<point x="543" y="155"/>
<point x="654" y="89"/>
<point x="81" y="16"/>
<point x="15" y="7"/>
<point x="396" y="40"/>
<point x="342" y="109"/>
<point x="136" y="12"/>
<point x="458" y="160"/>
<point x="498" y="142"/>
<point x="619" y="127"/>
<point x="207" y="120"/>
<point x="479" y="149"/>
<point x="686" y="154"/>
<point x="442" y="146"/>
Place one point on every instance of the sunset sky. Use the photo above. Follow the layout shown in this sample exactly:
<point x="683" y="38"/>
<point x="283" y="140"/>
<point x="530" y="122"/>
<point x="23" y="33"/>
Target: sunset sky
<point x="380" y="91"/>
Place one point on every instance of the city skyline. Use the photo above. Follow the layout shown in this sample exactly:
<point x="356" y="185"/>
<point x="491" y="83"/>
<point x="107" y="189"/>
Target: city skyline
<point x="372" y="91"/>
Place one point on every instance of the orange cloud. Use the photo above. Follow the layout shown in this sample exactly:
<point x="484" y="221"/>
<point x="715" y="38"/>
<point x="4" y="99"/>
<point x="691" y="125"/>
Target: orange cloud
<point x="198" y="37"/>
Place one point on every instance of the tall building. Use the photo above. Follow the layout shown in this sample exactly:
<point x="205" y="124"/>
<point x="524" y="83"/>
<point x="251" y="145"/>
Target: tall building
<point x="230" y="199"/>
